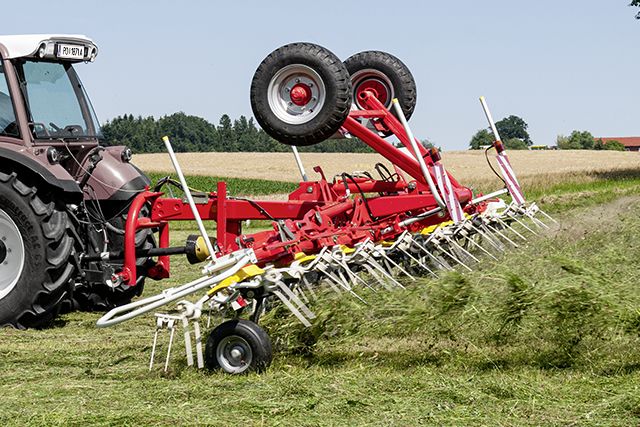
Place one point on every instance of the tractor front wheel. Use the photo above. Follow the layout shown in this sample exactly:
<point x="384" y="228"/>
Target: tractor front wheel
<point x="238" y="346"/>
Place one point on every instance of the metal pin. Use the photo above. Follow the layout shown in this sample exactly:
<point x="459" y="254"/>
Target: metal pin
<point x="511" y="228"/>
<point x="476" y="244"/>
<point x="417" y="261"/>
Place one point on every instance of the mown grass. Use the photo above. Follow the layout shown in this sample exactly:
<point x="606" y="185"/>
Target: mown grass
<point x="548" y="335"/>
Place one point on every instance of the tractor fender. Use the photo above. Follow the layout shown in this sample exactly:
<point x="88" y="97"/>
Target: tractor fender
<point x="114" y="178"/>
<point x="19" y="159"/>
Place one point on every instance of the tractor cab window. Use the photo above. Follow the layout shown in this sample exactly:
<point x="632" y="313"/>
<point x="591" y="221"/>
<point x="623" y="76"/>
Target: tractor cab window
<point x="8" y="125"/>
<point x="56" y="102"/>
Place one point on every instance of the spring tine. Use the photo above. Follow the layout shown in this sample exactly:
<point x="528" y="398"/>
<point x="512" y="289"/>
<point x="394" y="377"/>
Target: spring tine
<point x="536" y="220"/>
<point x="187" y="341"/>
<point x="198" y="339"/>
<point x="434" y="258"/>
<point x="153" y="348"/>
<point x="547" y="216"/>
<point x="486" y="234"/>
<point x="450" y="255"/>
<point x="299" y="291"/>
<point x="345" y="286"/>
<point x="511" y="228"/>
<point x="307" y="285"/>
<point x="382" y="271"/>
<point x="292" y="308"/>
<point x="328" y="279"/>
<point x="398" y="266"/>
<point x="355" y="277"/>
<point x="417" y="261"/>
<point x="166" y="362"/>
<point x="293" y="297"/>
<point x="499" y="233"/>
<point x="514" y="217"/>
<point x="372" y="272"/>
<point x="479" y="246"/>
<point x="457" y="245"/>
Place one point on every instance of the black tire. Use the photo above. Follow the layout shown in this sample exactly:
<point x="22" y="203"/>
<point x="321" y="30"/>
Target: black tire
<point x="251" y="342"/>
<point x="308" y="118"/>
<point x="97" y="295"/>
<point x="46" y="276"/>
<point x="389" y="72"/>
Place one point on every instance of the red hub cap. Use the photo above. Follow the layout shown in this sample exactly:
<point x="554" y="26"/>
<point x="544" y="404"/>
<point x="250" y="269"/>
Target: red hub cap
<point x="378" y="88"/>
<point x="300" y="94"/>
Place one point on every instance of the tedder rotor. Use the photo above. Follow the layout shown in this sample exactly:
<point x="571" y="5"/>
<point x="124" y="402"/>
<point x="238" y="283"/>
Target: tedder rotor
<point x="346" y="233"/>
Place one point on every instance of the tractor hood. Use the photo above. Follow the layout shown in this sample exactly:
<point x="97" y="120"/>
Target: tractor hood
<point x="60" y="47"/>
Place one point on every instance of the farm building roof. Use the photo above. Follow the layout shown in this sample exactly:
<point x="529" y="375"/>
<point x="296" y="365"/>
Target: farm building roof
<point x="627" y="141"/>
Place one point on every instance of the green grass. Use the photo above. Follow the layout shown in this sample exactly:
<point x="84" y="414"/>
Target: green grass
<point x="235" y="186"/>
<point x="547" y="336"/>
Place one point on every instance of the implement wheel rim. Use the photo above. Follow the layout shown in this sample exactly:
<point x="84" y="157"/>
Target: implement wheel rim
<point x="296" y="94"/>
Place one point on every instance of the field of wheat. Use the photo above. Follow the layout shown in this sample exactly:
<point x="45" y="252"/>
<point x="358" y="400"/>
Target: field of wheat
<point x="469" y="167"/>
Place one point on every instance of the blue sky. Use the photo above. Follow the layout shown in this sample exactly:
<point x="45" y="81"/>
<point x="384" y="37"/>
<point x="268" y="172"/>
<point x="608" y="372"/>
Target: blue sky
<point x="560" y="65"/>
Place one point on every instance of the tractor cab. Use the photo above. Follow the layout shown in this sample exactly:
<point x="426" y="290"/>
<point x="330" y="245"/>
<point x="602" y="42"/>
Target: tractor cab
<point x="41" y="97"/>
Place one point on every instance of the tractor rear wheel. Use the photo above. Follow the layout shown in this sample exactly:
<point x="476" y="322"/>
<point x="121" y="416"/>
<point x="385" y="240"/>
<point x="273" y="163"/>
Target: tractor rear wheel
<point x="36" y="247"/>
<point x="386" y="76"/>
<point x="301" y="94"/>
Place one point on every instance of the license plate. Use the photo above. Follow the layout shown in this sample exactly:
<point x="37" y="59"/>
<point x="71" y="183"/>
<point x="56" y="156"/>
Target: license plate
<point x="70" y="51"/>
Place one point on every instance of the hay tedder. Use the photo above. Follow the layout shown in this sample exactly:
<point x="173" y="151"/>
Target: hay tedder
<point x="346" y="233"/>
<point x="77" y="220"/>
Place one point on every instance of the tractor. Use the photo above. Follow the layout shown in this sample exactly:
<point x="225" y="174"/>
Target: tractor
<point x="63" y="195"/>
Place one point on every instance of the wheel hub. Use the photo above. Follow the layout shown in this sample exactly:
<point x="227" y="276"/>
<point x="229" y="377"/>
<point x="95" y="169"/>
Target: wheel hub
<point x="375" y="86"/>
<point x="234" y="354"/>
<point x="12" y="254"/>
<point x="374" y="81"/>
<point x="296" y="94"/>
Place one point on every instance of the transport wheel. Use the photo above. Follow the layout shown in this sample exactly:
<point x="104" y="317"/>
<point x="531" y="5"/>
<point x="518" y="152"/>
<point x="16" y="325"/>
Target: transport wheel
<point x="35" y="249"/>
<point x="386" y="76"/>
<point x="301" y="94"/>
<point x="238" y="346"/>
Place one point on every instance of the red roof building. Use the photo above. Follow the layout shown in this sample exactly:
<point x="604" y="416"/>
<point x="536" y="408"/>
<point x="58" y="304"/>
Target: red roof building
<point x="631" y="143"/>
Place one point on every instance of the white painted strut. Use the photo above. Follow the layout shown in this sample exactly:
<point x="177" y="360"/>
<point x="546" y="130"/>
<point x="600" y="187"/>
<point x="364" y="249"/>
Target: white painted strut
<point x="296" y="154"/>
<point x="487" y="113"/>
<point x="187" y="193"/>
<point x="416" y="151"/>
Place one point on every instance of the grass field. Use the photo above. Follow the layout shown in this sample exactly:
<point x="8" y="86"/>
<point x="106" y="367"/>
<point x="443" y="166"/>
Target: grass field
<point x="469" y="167"/>
<point x="547" y="336"/>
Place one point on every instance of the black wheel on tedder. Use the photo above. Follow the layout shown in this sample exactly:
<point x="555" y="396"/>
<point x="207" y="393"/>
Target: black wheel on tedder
<point x="238" y="346"/>
<point x="301" y="94"/>
<point x="386" y="76"/>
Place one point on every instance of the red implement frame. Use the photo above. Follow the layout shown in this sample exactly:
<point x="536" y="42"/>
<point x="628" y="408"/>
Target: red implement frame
<point x="315" y="215"/>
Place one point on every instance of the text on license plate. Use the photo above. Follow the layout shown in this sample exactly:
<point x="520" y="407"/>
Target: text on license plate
<point x="70" y="51"/>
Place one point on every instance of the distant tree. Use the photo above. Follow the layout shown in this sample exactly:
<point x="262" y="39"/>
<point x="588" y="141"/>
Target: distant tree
<point x="636" y="3"/>
<point x="513" y="127"/>
<point x="481" y="138"/>
<point x="614" y="145"/>
<point x="562" y="142"/>
<point x="578" y="140"/>
<point x="515" y="144"/>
